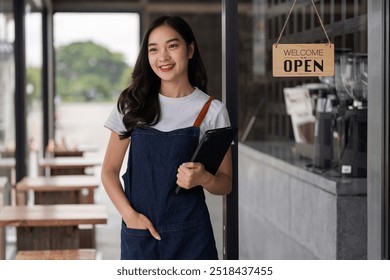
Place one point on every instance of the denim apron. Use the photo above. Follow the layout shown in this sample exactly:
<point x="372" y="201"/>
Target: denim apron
<point x="182" y="220"/>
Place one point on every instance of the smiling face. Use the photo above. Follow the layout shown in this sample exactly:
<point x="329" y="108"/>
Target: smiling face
<point x="168" y="55"/>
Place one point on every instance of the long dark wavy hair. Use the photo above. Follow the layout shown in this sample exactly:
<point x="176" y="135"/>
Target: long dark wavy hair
<point x="139" y="102"/>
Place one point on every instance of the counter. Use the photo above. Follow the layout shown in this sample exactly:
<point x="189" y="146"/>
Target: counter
<point x="287" y="210"/>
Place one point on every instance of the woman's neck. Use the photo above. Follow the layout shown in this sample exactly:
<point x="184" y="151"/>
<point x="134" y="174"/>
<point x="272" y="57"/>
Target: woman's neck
<point x="175" y="90"/>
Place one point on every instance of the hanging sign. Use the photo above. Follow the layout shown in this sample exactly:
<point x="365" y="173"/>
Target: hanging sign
<point x="303" y="60"/>
<point x="295" y="60"/>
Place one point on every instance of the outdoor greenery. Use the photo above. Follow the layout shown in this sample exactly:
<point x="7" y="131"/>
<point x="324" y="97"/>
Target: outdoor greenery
<point x="84" y="71"/>
<point x="34" y="85"/>
<point x="88" y="71"/>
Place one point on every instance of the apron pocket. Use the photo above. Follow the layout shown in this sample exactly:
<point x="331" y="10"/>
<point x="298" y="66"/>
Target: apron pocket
<point x="137" y="244"/>
<point x="134" y="231"/>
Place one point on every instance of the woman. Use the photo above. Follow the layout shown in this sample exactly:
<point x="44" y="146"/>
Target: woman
<point x="163" y="113"/>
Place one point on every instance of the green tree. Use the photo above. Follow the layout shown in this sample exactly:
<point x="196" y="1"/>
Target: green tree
<point x="88" y="71"/>
<point x="34" y="85"/>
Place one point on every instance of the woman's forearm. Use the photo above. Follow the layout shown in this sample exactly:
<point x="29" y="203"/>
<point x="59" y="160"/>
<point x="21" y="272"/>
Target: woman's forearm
<point x="113" y="187"/>
<point x="220" y="184"/>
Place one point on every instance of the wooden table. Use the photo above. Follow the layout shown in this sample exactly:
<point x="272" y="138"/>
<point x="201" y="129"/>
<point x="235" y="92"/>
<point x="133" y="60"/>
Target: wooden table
<point x="7" y="168"/>
<point x="77" y="151"/>
<point x="7" y="153"/>
<point x="61" y="189"/>
<point x="74" y="254"/>
<point x="68" y="165"/>
<point x="52" y="227"/>
<point x="68" y="153"/>
<point x="3" y="183"/>
<point x="6" y="163"/>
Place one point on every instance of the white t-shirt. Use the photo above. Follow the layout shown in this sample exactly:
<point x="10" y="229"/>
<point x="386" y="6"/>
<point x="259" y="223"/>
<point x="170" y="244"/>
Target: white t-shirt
<point x="179" y="113"/>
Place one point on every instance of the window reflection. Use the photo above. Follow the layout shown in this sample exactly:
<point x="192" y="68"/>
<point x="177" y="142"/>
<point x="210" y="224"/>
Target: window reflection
<point x="263" y="114"/>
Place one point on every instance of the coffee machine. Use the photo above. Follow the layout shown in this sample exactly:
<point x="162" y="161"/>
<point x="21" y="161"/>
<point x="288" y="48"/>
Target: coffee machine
<point x="341" y="117"/>
<point x="323" y="143"/>
<point x="351" y="81"/>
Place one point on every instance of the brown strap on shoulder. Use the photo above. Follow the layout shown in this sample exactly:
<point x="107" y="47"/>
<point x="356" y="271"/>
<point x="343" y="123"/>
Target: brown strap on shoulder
<point x="203" y="112"/>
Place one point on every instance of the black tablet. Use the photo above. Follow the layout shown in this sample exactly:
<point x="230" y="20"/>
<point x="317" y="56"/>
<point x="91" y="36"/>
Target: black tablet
<point x="213" y="147"/>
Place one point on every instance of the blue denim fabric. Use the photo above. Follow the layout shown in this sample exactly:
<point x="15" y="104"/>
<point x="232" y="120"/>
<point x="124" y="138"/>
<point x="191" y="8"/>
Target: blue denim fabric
<point x="182" y="220"/>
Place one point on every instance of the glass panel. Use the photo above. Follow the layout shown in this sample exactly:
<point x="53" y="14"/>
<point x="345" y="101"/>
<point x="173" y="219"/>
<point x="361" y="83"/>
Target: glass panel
<point x="268" y="19"/>
<point x="94" y="57"/>
<point x="7" y="91"/>
<point x="34" y="122"/>
<point x="94" y="53"/>
<point x="326" y="138"/>
<point x="7" y="113"/>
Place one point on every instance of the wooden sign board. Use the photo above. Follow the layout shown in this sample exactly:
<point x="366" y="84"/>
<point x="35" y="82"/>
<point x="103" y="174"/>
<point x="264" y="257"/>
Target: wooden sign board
<point x="303" y="60"/>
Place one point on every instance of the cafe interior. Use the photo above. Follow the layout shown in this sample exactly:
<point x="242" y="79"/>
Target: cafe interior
<point x="310" y="160"/>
